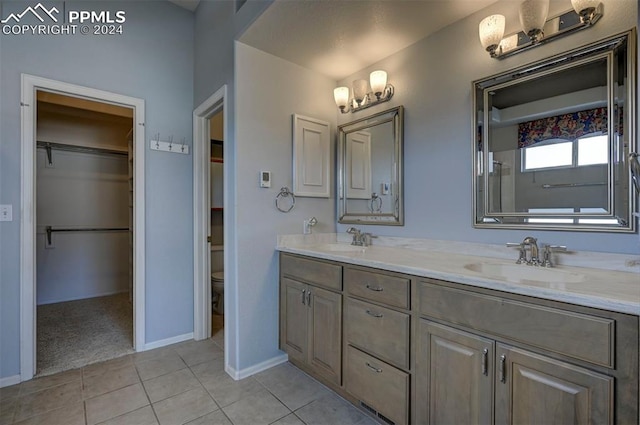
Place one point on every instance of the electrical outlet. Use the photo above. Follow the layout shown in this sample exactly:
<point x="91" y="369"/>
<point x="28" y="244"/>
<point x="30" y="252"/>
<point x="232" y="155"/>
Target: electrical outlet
<point x="6" y="212"/>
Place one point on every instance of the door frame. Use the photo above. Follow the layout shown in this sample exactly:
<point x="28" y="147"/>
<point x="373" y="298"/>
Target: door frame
<point x="30" y="84"/>
<point x="202" y="214"/>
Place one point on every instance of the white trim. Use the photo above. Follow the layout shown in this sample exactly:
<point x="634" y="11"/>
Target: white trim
<point x="9" y="381"/>
<point x="168" y="341"/>
<point x="30" y="84"/>
<point x="201" y="217"/>
<point x="252" y="370"/>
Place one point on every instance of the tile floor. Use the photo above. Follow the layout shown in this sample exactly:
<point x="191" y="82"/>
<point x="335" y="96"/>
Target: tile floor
<point x="180" y="384"/>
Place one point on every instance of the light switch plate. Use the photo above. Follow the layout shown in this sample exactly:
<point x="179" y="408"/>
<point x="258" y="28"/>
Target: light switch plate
<point x="6" y="212"/>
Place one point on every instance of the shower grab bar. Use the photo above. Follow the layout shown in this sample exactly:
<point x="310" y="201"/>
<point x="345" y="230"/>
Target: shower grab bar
<point x="51" y="230"/>
<point x="556" y="185"/>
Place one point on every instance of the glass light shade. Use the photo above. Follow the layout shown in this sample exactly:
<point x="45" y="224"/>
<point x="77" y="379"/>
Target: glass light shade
<point x="584" y="6"/>
<point x="360" y="89"/>
<point x="533" y="15"/>
<point x="491" y="30"/>
<point x="378" y="80"/>
<point x="341" y="96"/>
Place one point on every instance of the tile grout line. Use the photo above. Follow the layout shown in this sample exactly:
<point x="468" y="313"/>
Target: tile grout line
<point x="155" y="415"/>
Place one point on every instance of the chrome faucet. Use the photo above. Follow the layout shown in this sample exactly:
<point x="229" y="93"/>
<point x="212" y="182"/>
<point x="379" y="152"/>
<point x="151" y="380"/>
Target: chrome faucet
<point x="359" y="238"/>
<point x="532" y="243"/>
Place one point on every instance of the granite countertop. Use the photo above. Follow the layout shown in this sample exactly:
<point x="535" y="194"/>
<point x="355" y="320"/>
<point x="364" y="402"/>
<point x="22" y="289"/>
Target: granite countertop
<point x="615" y="286"/>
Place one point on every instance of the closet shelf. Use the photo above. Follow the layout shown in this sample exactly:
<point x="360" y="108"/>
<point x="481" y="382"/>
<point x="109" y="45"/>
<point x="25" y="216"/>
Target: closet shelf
<point x="217" y="209"/>
<point x="217" y="247"/>
<point x="218" y="160"/>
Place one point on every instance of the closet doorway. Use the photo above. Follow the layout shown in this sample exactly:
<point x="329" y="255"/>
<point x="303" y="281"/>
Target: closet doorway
<point x="83" y="226"/>
<point x="211" y="228"/>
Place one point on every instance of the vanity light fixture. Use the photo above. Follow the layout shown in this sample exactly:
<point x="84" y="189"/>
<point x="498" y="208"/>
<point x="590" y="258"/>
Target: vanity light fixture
<point x="536" y="28"/>
<point x="362" y="98"/>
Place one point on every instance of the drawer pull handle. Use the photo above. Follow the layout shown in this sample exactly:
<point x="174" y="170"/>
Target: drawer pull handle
<point x="373" y="368"/>
<point x="309" y="297"/>
<point x="375" y="289"/>
<point x="503" y="368"/>
<point x="485" y="360"/>
<point x="304" y="291"/>
<point x="374" y="314"/>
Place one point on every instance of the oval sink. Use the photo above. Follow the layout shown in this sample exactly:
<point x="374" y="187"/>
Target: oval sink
<point x="520" y="273"/>
<point x="339" y="247"/>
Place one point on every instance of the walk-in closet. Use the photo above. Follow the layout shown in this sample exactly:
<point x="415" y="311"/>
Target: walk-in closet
<point x="84" y="225"/>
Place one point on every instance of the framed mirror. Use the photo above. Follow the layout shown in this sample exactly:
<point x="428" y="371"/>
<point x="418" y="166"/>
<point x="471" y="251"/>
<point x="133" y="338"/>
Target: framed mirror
<point x="370" y="169"/>
<point x="553" y="141"/>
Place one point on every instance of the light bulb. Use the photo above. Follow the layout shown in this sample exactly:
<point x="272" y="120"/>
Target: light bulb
<point x="491" y="30"/>
<point x="341" y="96"/>
<point x="533" y="15"/>
<point x="378" y="80"/>
<point x="360" y="91"/>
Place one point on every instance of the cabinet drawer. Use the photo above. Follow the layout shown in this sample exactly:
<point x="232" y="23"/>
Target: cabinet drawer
<point x="378" y="384"/>
<point x="312" y="271"/>
<point x="377" y="287"/>
<point x="379" y="331"/>
<point x="581" y="336"/>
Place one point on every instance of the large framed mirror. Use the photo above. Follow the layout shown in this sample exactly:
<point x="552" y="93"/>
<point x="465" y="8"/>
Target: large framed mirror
<point x="553" y="140"/>
<point x="370" y="169"/>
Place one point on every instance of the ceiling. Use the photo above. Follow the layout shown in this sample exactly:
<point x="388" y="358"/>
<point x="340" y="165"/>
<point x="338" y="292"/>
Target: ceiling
<point x="187" y="4"/>
<point x="340" y="37"/>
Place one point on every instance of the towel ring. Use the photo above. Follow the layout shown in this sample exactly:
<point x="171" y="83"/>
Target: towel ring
<point x="285" y="193"/>
<point x="376" y="203"/>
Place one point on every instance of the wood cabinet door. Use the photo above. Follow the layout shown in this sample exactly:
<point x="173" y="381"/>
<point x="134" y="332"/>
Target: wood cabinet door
<point x="534" y="389"/>
<point x="294" y="319"/>
<point x="325" y="334"/>
<point x="454" y="376"/>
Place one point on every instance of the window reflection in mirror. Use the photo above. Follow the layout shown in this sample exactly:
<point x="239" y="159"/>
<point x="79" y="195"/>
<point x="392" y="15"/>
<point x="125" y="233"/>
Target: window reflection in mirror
<point x="554" y="138"/>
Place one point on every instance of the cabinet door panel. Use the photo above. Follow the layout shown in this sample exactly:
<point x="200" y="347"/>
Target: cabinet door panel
<point x="541" y="390"/>
<point x="325" y="349"/>
<point x="454" y="376"/>
<point x="294" y="319"/>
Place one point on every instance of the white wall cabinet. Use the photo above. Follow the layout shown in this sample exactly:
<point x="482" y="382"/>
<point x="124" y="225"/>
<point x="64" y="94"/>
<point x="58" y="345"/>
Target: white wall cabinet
<point x="311" y="157"/>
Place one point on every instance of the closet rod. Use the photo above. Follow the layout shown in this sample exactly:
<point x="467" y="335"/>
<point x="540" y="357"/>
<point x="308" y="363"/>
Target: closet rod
<point x="73" y="148"/>
<point x="51" y="230"/>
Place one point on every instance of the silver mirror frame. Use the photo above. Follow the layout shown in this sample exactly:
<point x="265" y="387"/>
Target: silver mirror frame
<point x="593" y="51"/>
<point x="395" y="116"/>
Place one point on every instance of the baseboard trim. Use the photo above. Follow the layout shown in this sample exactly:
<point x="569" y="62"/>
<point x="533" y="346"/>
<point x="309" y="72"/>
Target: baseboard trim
<point x="9" y="380"/>
<point x="252" y="370"/>
<point x="168" y="341"/>
<point x="82" y="297"/>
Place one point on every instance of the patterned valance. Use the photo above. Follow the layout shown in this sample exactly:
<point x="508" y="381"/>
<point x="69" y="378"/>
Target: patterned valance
<point x="567" y="126"/>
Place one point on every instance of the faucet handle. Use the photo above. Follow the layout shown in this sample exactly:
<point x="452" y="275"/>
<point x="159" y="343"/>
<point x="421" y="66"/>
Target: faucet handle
<point x="366" y="238"/>
<point x="522" y="256"/>
<point x="548" y="250"/>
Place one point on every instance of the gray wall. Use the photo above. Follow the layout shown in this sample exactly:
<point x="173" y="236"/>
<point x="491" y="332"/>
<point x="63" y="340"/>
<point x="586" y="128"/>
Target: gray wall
<point x="264" y="142"/>
<point x="433" y="81"/>
<point x="152" y="60"/>
<point x="216" y="28"/>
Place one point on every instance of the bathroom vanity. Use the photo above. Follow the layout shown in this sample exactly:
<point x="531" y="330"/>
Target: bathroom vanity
<point x="414" y="336"/>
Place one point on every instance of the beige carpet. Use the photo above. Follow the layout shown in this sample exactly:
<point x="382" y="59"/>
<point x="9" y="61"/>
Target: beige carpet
<point x="77" y="333"/>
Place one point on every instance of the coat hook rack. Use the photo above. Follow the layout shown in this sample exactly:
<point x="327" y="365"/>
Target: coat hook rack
<point x="168" y="145"/>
